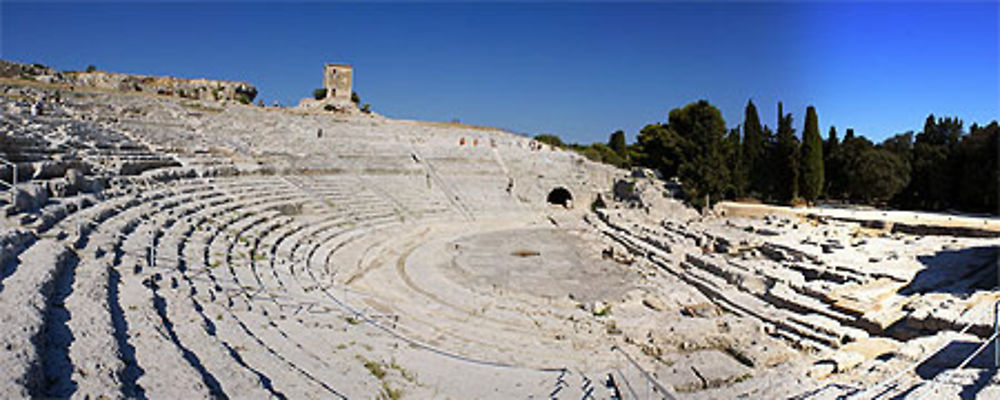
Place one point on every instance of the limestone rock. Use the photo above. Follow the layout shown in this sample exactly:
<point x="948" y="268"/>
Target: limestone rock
<point x="30" y="197"/>
<point x="701" y="310"/>
<point x="59" y="187"/>
<point x="12" y="242"/>
<point x="653" y="303"/>
<point x="75" y="179"/>
<point x="625" y="190"/>
<point x="702" y="370"/>
<point x="22" y="311"/>
<point x="48" y="170"/>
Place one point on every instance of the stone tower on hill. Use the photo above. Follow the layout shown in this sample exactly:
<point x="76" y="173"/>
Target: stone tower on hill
<point x="337" y="81"/>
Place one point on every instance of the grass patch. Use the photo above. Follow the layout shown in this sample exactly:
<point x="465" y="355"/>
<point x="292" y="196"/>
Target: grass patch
<point x="194" y="105"/>
<point x="388" y="393"/>
<point x="406" y="374"/>
<point x="373" y="367"/>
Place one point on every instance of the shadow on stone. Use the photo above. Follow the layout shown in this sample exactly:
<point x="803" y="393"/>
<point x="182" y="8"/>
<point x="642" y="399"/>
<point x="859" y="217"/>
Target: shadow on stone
<point x="977" y="374"/>
<point x="962" y="271"/>
<point x="55" y="354"/>
<point x="954" y="354"/>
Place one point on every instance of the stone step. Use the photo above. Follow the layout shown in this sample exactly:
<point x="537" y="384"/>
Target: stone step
<point x="805" y="310"/>
<point x="846" y="328"/>
<point x="736" y="301"/>
<point x="743" y="303"/>
<point x="24" y="305"/>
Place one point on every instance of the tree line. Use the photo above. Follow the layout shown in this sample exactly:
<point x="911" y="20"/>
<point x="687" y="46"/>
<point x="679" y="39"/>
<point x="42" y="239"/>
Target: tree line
<point x="942" y="167"/>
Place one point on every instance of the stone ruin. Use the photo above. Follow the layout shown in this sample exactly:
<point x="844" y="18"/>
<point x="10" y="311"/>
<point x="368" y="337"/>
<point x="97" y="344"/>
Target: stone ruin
<point x="199" y="89"/>
<point x="162" y="247"/>
<point x="337" y="81"/>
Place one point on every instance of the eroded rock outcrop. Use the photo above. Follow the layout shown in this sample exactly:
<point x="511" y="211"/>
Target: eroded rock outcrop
<point x="202" y="89"/>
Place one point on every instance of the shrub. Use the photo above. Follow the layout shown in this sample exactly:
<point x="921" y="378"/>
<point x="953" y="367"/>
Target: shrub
<point x="551" y="140"/>
<point x="591" y="153"/>
<point x="597" y="203"/>
<point x="329" y="107"/>
<point x="243" y="98"/>
<point x="367" y="108"/>
<point x="319" y="94"/>
<point x="355" y="98"/>
<point x="91" y="68"/>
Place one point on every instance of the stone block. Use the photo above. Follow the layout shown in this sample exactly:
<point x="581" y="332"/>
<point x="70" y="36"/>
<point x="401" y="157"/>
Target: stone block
<point x="701" y="370"/>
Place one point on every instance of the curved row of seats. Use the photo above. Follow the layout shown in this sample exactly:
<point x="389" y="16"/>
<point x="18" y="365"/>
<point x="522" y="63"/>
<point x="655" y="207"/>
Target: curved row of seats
<point x="242" y="296"/>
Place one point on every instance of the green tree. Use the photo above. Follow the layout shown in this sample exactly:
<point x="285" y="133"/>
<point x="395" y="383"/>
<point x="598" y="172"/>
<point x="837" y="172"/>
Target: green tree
<point x="354" y="97"/>
<point x="934" y="183"/>
<point x="703" y="172"/>
<point x="690" y="146"/>
<point x="811" y="177"/>
<point x="976" y="154"/>
<point x="660" y="148"/>
<point x="319" y="94"/>
<point x="737" y="173"/>
<point x="786" y="158"/>
<point x="831" y="171"/>
<point x="769" y="166"/>
<point x="877" y="175"/>
<point x="754" y="150"/>
<point x="617" y="143"/>
<point x="847" y="160"/>
<point x="598" y="152"/>
<point x="900" y="144"/>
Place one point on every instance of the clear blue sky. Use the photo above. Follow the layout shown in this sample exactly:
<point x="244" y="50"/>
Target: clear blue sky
<point x="580" y="70"/>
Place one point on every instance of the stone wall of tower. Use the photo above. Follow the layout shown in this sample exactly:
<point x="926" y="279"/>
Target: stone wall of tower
<point x="337" y="81"/>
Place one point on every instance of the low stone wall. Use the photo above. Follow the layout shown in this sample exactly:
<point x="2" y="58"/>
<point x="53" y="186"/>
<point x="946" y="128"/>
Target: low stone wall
<point x="914" y="223"/>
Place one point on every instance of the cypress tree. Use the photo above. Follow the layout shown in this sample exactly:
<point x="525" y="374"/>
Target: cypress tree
<point x="737" y="173"/>
<point x="769" y="166"/>
<point x="831" y="149"/>
<point x="754" y="148"/>
<point x="811" y="157"/>
<point x="787" y="158"/>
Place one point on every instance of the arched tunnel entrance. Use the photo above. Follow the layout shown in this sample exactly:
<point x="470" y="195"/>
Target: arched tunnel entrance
<point x="560" y="196"/>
